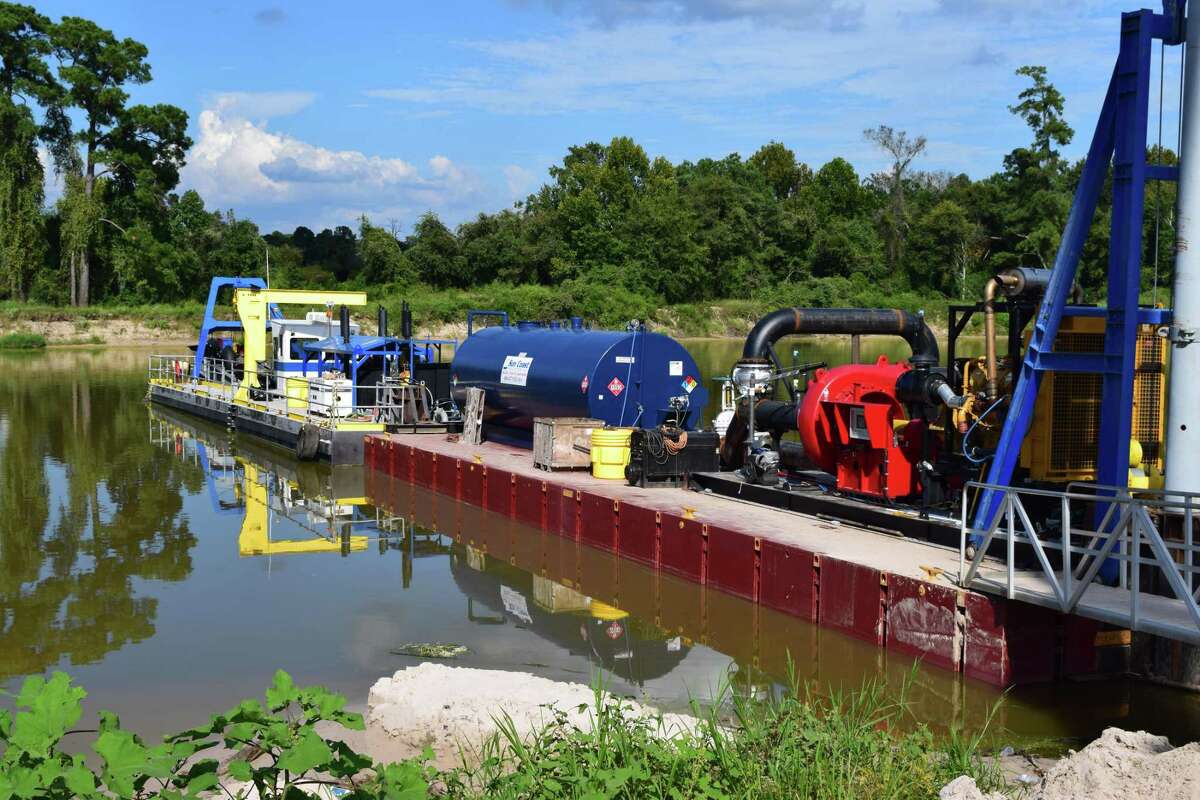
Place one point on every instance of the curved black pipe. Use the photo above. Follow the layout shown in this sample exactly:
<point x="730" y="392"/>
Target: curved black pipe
<point x="878" y="321"/>
<point x="769" y="415"/>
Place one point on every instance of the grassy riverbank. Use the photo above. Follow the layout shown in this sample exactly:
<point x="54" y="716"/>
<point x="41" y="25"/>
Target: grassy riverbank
<point x="845" y="744"/>
<point x="442" y="313"/>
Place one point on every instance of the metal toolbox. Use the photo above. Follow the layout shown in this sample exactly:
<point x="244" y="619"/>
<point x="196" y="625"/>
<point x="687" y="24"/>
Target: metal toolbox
<point x="563" y="442"/>
<point x="651" y="465"/>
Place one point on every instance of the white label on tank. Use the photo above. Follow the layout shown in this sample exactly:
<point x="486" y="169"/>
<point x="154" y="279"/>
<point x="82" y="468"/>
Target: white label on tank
<point x="675" y="368"/>
<point x="624" y="359"/>
<point x="516" y="369"/>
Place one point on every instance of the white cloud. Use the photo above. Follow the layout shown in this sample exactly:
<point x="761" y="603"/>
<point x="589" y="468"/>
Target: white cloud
<point x="916" y="64"/>
<point x="260" y="105"/>
<point x="283" y="180"/>
<point x="519" y="180"/>
<point x="836" y="14"/>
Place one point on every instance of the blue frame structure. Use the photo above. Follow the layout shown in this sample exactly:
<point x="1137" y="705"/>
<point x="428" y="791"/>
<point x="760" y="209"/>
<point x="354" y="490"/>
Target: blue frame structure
<point x="211" y="323"/>
<point x="1119" y="139"/>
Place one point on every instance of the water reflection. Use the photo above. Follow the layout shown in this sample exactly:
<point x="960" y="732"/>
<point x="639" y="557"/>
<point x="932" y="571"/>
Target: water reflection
<point x="283" y="508"/>
<point x="498" y="594"/>
<point x="173" y="569"/>
<point x="88" y="507"/>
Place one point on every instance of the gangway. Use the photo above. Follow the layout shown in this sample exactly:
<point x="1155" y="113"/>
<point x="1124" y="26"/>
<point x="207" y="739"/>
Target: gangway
<point x="1055" y="564"/>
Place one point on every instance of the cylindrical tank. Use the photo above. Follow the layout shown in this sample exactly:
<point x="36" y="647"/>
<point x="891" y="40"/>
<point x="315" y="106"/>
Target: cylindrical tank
<point x="625" y="378"/>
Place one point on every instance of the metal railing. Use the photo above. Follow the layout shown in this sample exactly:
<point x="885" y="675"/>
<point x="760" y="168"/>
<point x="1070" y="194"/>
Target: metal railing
<point x="394" y="401"/>
<point x="1080" y="530"/>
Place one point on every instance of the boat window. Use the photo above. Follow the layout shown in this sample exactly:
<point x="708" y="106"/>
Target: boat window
<point x="297" y="346"/>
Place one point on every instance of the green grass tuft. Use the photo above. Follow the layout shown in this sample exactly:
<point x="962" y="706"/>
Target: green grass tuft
<point x="838" y="744"/>
<point x="22" y="341"/>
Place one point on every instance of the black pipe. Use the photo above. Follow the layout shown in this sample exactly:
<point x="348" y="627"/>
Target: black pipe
<point x="344" y="313"/>
<point x="405" y="320"/>
<point x="880" y="321"/>
<point x="382" y="321"/>
<point x="769" y="415"/>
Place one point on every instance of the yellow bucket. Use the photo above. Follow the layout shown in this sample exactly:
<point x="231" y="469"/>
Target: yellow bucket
<point x="610" y="452"/>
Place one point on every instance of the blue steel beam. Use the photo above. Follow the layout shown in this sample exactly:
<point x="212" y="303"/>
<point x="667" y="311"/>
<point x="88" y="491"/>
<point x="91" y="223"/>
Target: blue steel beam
<point x="1119" y="138"/>
<point x="1125" y="246"/>
<point x="1050" y="314"/>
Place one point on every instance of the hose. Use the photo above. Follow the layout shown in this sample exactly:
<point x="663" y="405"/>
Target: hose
<point x="967" y="436"/>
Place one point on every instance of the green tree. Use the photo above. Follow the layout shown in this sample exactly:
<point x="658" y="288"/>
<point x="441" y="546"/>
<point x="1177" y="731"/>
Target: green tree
<point x="435" y="254"/>
<point x="945" y="246"/>
<point x="1041" y="106"/>
<point x="895" y="218"/>
<point x="137" y="144"/>
<point x="380" y="256"/>
<point x="779" y="167"/>
<point x="25" y="80"/>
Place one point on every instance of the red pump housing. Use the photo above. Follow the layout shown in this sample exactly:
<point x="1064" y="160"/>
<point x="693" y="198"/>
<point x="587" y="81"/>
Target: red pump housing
<point x="853" y="425"/>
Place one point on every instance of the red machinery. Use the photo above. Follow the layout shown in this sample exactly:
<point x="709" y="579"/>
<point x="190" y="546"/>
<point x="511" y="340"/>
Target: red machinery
<point x="854" y="426"/>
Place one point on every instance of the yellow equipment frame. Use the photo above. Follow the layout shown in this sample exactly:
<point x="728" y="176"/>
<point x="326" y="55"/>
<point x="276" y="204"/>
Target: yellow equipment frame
<point x="253" y="308"/>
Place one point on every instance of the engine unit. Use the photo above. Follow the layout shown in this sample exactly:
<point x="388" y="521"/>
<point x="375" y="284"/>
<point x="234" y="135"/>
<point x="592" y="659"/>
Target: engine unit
<point x="1062" y="441"/>
<point x="852" y="424"/>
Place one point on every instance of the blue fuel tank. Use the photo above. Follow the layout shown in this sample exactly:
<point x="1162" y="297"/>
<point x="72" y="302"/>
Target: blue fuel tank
<point x="626" y="378"/>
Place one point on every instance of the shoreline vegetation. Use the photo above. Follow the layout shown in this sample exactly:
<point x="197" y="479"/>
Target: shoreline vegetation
<point x="807" y="743"/>
<point x="437" y="314"/>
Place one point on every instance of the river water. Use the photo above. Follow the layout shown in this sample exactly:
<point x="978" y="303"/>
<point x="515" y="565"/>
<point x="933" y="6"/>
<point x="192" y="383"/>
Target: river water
<point x="151" y="556"/>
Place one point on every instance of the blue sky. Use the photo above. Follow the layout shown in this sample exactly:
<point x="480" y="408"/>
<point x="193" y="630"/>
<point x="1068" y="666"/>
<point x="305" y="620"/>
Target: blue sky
<point x="314" y="113"/>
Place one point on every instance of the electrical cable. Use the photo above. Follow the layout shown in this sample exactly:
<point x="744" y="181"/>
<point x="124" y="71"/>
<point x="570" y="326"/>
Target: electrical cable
<point x="967" y="436"/>
<point x="660" y="446"/>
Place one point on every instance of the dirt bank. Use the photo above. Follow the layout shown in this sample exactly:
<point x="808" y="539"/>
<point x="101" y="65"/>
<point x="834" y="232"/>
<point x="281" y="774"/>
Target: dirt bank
<point x="1120" y="765"/>
<point x="454" y="709"/>
<point x="117" y="331"/>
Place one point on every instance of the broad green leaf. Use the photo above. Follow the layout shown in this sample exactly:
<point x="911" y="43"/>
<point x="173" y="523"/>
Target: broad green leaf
<point x="125" y="761"/>
<point x="19" y="781"/>
<point x="203" y="782"/>
<point x="109" y="721"/>
<point x="282" y="691"/>
<point x="403" y="781"/>
<point x="79" y="779"/>
<point x="240" y="769"/>
<point x="309" y="752"/>
<point x="52" y="708"/>
<point x="347" y="762"/>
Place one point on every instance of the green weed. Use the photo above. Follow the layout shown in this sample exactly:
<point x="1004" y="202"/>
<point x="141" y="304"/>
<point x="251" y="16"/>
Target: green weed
<point x="22" y="341"/>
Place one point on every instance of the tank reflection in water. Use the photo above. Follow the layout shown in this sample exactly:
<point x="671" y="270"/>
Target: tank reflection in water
<point x="172" y="568"/>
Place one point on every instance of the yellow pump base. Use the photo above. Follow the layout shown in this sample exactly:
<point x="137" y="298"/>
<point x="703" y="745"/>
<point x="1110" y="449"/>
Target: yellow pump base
<point x="610" y="452"/>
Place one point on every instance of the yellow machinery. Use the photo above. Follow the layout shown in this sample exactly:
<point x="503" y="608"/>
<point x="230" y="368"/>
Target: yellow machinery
<point x="253" y="307"/>
<point x="255" y="536"/>
<point x="1062" y="441"/>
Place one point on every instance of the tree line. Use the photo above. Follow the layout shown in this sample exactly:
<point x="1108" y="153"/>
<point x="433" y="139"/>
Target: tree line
<point x="608" y="215"/>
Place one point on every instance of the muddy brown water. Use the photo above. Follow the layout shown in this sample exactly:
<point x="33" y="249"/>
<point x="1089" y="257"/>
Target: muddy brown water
<point x="147" y="554"/>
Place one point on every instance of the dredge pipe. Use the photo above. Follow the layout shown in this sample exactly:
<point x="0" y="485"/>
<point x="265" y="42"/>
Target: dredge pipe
<point x="877" y="321"/>
<point x="989" y="335"/>
<point x="1015" y="282"/>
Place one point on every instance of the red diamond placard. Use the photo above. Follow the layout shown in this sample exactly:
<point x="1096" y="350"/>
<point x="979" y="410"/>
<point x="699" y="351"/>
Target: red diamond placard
<point x="583" y="384"/>
<point x="615" y="387"/>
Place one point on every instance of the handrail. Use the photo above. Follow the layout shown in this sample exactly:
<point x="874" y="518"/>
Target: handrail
<point x="1121" y="527"/>
<point x="396" y="401"/>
